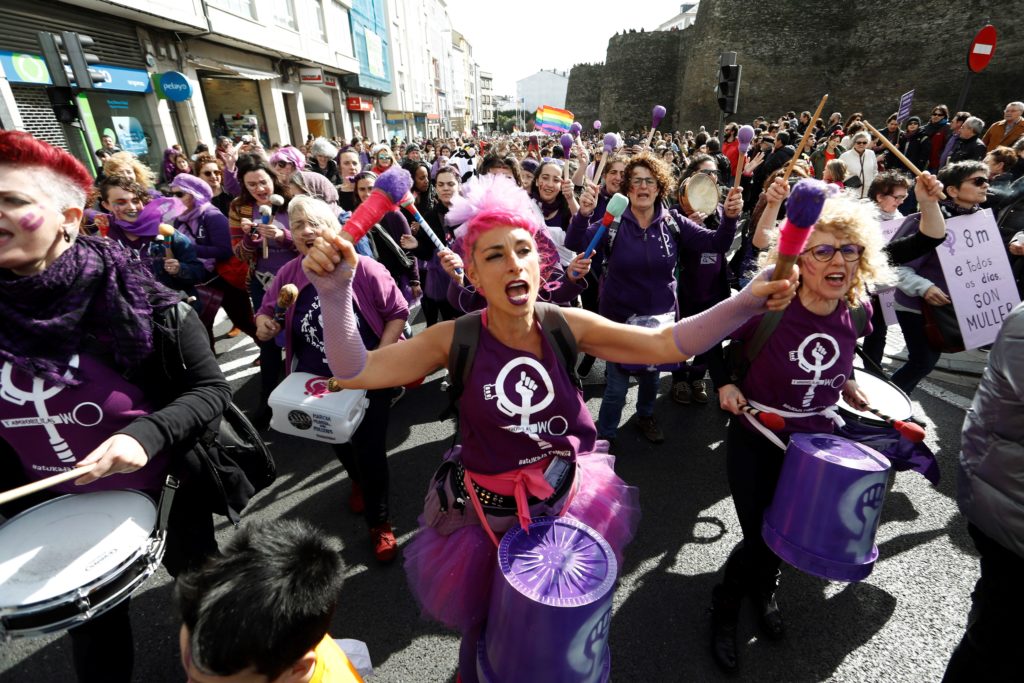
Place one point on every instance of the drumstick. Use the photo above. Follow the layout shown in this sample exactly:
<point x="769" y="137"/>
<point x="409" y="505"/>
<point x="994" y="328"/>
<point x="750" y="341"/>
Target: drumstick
<point x="743" y="138"/>
<point x="772" y="421"/>
<point x="803" y="141"/>
<point x="899" y="155"/>
<point x="21" y="491"/>
<point x="908" y="430"/>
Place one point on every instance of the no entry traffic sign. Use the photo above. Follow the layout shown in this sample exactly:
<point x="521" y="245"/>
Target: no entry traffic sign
<point x="982" y="48"/>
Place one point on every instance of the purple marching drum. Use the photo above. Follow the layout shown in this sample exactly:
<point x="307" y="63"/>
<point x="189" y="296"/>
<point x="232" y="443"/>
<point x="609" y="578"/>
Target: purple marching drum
<point x="551" y="606"/>
<point x="827" y="506"/>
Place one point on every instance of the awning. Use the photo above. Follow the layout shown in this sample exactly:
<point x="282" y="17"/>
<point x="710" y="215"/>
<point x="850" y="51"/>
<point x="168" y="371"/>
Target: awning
<point x="232" y="69"/>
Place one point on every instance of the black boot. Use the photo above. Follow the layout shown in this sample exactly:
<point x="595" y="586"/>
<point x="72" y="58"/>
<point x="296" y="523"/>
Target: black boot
<point x="769" y="617"/>
<point x="725" y="612"/>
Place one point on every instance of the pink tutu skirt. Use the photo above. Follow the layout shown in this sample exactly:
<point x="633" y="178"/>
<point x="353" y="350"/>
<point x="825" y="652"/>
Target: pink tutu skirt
<point x="451" y="575"/>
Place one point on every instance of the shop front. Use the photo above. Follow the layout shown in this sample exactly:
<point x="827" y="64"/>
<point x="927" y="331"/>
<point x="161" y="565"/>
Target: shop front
<point x="360" y="111"/>
<point x="321" y="99"/>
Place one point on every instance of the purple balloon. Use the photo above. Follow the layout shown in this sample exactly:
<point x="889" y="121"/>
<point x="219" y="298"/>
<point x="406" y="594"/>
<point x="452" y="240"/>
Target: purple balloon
<point x="576" y="128"/>
<point x="597" y="124"/>
<point x="657" y="114"/>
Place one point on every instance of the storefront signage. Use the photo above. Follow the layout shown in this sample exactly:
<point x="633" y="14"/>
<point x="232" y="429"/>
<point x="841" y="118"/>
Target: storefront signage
<point x="173" y="86"/>
<point x="330" y="81"/>
<point x="358" y="104"/>
<point x="26" y="68"/>
<point x="311" y="76"/>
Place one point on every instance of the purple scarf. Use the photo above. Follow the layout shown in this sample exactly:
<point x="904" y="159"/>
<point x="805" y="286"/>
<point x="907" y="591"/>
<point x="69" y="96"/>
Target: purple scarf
<point x="147" y="224"/>
<point x="94" y="288"/>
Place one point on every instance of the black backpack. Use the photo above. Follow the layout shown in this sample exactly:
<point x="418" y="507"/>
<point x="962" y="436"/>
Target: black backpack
<point x="467" y="335"/>
<point x="742" y="354"/>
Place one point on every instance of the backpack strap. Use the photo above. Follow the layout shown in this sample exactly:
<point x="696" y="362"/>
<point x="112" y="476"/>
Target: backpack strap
<point x="559" y="335"/>
<point x="859" y="316"/>
<point x="762" y="334"/>
<point x="460" y="357"/>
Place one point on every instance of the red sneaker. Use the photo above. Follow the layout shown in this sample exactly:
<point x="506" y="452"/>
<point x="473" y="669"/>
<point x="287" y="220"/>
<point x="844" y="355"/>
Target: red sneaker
<point x="356" y="505"/>
<point x="385" y="547"/>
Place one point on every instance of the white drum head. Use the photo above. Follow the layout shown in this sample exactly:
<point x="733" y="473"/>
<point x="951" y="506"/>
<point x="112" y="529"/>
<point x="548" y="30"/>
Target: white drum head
<point x="702" y="193"/>
<point x="883" y="396"/>
<point x="69" y="542"/>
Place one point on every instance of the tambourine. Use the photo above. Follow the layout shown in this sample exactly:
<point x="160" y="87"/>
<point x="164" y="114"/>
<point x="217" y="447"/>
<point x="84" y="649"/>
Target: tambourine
<point x="702" y="193"/>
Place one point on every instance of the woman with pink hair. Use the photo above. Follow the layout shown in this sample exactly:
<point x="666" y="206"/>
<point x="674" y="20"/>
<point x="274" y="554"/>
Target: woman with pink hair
<point x="451" y="561"/>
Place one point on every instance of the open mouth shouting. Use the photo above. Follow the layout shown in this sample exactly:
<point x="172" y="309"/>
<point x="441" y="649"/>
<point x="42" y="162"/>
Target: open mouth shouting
<point x="518" y="292"/>
<point x="837" y="280"/>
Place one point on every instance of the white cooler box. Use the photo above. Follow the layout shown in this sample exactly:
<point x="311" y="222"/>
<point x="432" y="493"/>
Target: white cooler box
<point x="304" y="407"/>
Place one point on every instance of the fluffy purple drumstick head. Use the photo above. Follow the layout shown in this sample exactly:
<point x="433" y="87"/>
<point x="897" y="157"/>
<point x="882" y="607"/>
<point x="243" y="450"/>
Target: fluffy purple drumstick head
<point x="597" y="124"/>
<point x="611" y="141"/>
<point x="395" y="183"/>
<point x="744" y="135"/>
<point x="566" y="141"/>
<point x="657" y="114"/>
<point x="576" y="128"/>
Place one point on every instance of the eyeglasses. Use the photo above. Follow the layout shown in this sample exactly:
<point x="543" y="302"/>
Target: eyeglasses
<point x="211" y="174"/>
<point x="825" y="252"/>
<point x="978" y="181"/>
<point x="709" y="171"/>
<point x="179" y="194"/>
<point x="641" y="182"/>
<point x="937" y="113"/>
<point x="898" y="197"/>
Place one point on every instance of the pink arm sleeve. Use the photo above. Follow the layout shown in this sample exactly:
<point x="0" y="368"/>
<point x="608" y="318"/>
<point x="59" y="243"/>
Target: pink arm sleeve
<point x="346" y="353"/>
<point x="698" y="333"/>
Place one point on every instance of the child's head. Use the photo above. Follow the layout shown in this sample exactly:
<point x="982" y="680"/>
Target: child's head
<point x="256" y="612"/>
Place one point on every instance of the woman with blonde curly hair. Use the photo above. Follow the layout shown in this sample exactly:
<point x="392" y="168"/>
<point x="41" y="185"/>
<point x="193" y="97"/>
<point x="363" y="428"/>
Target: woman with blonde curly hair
<point x="800" y="373"/>
<point x="127" y="165"/>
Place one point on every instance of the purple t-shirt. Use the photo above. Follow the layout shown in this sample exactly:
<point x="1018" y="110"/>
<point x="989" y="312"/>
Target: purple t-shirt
<point x="52" y="427"/>
<point x="517" y="409"/>
<point x="308" y="334"/>
<point x="804" y="364"/>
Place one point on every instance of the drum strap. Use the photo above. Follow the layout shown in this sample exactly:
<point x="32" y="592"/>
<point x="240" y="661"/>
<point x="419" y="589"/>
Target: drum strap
<point x="166" y="500"/>
<point x="830" y="412"/>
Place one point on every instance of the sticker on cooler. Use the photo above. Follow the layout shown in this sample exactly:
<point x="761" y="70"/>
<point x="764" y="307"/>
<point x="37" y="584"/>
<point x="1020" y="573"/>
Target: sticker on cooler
<point x="303" y="406"/>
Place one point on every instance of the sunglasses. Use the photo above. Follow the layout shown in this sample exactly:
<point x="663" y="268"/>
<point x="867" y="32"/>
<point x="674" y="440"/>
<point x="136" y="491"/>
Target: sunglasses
<point x="979" y="181"/>
<point x="281" y="164"/>
<point x="825" y="252"/>
<point x="937" y="113"/>
<point x="211" y="174"/>
<point x="708" y="171"/>
<point x="179" y="194"/>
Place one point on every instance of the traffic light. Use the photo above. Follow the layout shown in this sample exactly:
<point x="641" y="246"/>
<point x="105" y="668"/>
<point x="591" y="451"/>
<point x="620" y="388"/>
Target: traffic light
<point x="68" y="62"/>
<point x="729" y="87"/>
<point x="65" y="106"/>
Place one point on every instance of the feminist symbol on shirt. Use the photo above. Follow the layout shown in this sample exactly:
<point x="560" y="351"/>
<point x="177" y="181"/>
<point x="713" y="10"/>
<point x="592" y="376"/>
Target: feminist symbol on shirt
<point x="87" y="414"/>
<point x="526" y="388"/>
<point x="820" y="360"/>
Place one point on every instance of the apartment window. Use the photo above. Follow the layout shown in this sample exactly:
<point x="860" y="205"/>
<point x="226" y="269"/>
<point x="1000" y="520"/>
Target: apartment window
<point x="284" y="14"/>
<point x="243" y="8"/>
<point x="321" y="23"/>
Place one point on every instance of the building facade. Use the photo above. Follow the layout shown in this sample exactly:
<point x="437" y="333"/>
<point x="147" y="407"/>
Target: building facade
<point x="544" y="87"/>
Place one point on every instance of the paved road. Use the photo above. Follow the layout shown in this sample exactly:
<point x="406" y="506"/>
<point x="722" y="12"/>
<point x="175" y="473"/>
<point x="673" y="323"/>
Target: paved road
<point x="898" y="625"/>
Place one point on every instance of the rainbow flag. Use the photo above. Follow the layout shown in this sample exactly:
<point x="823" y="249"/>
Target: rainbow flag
<point x="553" y="120"/>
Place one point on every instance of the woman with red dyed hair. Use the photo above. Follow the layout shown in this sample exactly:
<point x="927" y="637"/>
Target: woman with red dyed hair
<point x="526" y="434"/>
<point x="86" y="324"/>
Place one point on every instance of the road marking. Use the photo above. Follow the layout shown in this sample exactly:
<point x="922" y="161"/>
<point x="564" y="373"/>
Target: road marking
<point x="243" y="373"/>
<point x="238" y="362"/>
<point x="953" y="399"/>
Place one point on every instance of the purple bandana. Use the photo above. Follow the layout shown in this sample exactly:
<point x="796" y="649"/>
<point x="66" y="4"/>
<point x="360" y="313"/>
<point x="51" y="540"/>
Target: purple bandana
<point x="160" y="210"/>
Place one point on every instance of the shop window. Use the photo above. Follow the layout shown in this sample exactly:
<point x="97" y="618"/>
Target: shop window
<point x="284" y="14"/>
<point x="243" y="8"/>
<point x="125" y="117"/>
<point x="321" y="23"/>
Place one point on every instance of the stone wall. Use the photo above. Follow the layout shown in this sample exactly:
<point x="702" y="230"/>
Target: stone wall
<point x="792" y="53"/>
<point x="583" y="98"/>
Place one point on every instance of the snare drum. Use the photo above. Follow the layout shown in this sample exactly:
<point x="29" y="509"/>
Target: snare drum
<point x="883" y="395"/>
<point x="71" y="558"/>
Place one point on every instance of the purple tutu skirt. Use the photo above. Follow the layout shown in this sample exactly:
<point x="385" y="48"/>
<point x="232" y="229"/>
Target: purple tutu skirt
<point x="451" y="575"/>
